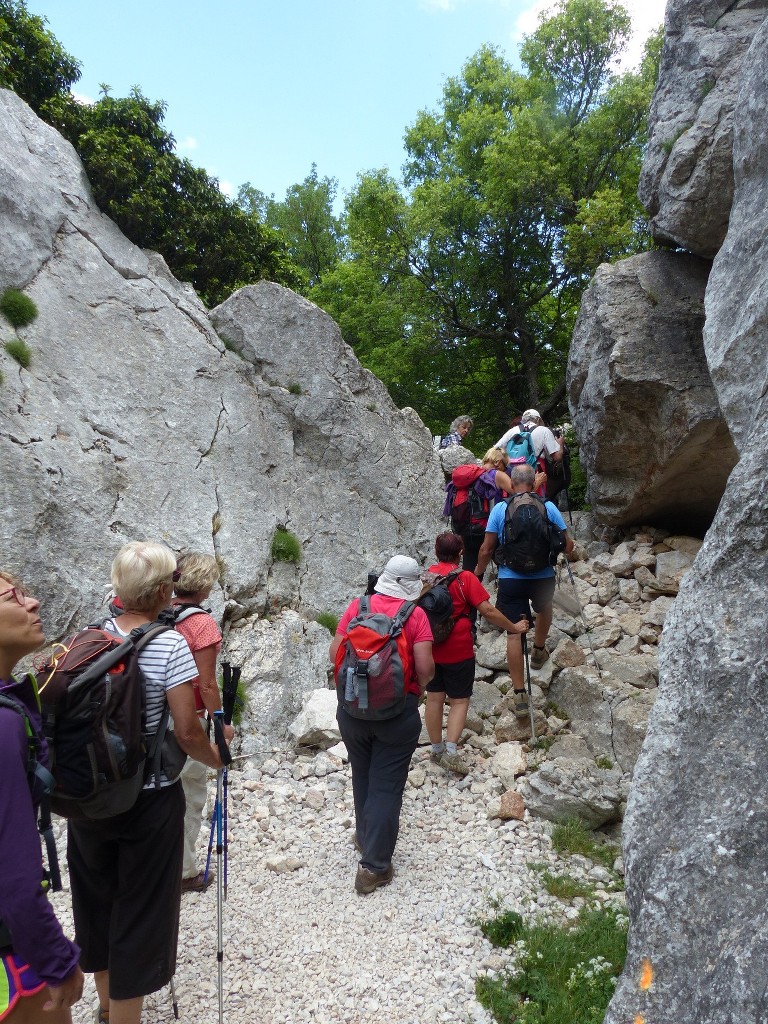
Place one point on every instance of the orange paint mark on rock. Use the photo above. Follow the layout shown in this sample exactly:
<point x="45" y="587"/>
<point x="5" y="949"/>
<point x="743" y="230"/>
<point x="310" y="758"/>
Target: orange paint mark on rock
<point x="646" y="976"/>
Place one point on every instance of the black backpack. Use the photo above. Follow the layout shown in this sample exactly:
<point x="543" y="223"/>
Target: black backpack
<point x="435" y="599"/>
<point x="558" y="474"/>
<point x="92" y="697"/>
<point x="530" y="541"/>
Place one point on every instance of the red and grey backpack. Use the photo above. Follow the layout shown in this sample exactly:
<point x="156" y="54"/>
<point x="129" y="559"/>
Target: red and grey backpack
<point x="374" y="663"/>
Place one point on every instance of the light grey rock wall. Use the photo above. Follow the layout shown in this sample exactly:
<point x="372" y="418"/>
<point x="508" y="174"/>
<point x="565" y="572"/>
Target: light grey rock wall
<point x="652" y="439"/>
<point x="135" y="421"/>
<point x="687" y="179"/>
<point x="695" y="848"/>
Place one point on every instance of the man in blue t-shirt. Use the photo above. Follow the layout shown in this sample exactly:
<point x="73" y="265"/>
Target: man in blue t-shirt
<point x="517" y="589"/>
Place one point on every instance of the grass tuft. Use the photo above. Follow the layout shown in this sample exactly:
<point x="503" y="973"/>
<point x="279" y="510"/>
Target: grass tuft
<point x="329" y="620"/>
<point x="286" y="547"/>
<point x="20" y="351"/>
<point x="573" y="836"/>
<point x="17" y="308"/>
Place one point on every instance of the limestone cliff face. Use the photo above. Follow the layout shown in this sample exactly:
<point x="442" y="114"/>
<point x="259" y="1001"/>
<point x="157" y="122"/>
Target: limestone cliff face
<point x="652" y="439"/>
<point x="695" y="846"/>
<point x="687" y="179"/>
<point x="135" y="421"/>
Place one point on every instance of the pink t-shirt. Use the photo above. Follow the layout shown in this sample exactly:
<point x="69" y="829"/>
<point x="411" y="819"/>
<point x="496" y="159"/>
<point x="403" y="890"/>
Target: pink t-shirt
<point x="417" y="629"/>
<point x="200" y="631"/>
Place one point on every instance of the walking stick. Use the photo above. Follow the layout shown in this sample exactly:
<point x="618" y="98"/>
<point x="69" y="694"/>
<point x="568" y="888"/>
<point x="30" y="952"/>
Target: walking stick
<point x="524" y="638"/>
<point x="226" y="759"/>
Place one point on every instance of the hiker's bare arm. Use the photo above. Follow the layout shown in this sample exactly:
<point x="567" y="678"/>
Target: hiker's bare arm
<point x="495" y="617"/>
<point x="205" y="659"/>
<point x="335" y="644"/>
<point x="424" y="662"/>
<point x="186" y="726"/>
<point x="484" y="554"/>
<point x="503" y="482"/>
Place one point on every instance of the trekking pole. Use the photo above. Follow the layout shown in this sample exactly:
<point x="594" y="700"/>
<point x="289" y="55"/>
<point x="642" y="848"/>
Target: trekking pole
<point x="226" y="759"/>
<point x="524" y="638"/>
<point x="587" y="629"/>
<point x="174" y="1003"/>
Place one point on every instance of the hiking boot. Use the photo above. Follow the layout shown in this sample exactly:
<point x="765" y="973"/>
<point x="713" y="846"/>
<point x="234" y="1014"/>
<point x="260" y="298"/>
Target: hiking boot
<point x="198" y="882"/>
<point x="366" y="881"/>
<point x="538" y="656"/>
<point x="454" y="763"/>
<point x="520" y="705"/>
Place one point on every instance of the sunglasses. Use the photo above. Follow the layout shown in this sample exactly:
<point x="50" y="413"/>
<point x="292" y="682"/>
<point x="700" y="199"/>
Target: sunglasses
<point x="19" y="595"/>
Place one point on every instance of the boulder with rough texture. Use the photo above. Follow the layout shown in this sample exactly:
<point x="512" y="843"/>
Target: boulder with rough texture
<point x="687" y="178"/>
<point x="652" y="439"/>
<point x="315" y="725"/>
<point x="564" y="789"/>
<point x="134" y="420"/>
<point x="695" y="849"/>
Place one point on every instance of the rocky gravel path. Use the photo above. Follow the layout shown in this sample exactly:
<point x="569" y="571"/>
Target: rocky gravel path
<point x="301" y="947"/>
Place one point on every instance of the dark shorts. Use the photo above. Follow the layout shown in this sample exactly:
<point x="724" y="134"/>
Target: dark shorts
<point x="514" y="596"/>
<point x="125" y="874"/>
<point x="455" y="680"/>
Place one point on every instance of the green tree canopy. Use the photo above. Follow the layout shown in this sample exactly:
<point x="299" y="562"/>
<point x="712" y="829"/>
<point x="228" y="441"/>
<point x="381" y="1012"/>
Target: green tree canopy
<point x="514" y="190"/>
<point x="304" y="220"/>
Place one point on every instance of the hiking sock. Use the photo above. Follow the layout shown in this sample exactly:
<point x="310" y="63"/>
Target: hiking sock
<point x="439" y="748"/>
<point x="451" y="748"/>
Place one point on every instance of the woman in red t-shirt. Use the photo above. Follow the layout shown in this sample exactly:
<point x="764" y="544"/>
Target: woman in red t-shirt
<point x="455" y="657"/>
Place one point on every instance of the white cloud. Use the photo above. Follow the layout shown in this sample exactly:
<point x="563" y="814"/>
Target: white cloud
<point x="187" y="144"/>
<point x="645" y="15"/>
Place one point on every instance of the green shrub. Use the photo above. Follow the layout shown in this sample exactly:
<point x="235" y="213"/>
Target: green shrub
<point x="285" y="546"/>
<point x="561" y="974"/>
<point x="329" y="620"/>
<point x="18" y="309"/>
<point x="573" y="836"/>
<point x="20" y="351"/>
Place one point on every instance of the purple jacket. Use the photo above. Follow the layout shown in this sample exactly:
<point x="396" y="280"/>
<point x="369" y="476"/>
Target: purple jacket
<point x="37" y="935"/>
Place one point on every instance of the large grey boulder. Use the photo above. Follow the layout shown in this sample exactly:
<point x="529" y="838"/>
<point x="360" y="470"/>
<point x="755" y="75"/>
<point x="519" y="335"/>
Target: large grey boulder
<point x="134" y="420"/>
<point x="695" y="848"/>
<point x="687" y="179"/>
<point x="652" y="439"/>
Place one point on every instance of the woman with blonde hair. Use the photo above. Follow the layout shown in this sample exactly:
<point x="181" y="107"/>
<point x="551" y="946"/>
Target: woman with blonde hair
<point x="39" y="974"/>
<point x="198" y="573"/>
<point x="125" y="871"/>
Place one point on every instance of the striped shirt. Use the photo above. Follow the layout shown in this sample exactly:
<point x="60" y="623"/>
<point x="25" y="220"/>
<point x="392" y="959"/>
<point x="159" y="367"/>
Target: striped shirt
<point x="165" y="662"/>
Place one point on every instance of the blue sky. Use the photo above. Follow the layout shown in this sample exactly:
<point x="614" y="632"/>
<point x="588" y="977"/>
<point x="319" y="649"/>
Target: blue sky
<point x="258" y="92"/>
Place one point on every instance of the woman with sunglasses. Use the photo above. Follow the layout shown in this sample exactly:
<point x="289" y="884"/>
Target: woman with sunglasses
<point x="38" y="965"/>
<point x="125" y="871"/>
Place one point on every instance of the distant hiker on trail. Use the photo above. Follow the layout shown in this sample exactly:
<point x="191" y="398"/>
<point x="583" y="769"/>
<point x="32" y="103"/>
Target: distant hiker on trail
<point x="39" y="974"/>
<point x="125" y="870"/>
<point x="460" y="427"/>
<point x="455" y="656"/>
<point x="380" y="677"/>
<point x="525" y="532"/>
<point x="198" y="574"/>
<point x="543" y="445"/>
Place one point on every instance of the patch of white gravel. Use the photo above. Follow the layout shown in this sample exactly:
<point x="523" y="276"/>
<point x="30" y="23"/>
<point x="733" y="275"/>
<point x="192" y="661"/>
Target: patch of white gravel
<point x="301" y="947"/>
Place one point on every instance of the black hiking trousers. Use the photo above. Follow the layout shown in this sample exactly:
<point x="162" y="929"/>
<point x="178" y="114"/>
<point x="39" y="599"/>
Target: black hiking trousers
<point x="380" y="755"/>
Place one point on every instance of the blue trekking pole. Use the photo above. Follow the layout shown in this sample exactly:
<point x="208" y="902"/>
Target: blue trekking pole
<point x="226" y="759"/>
